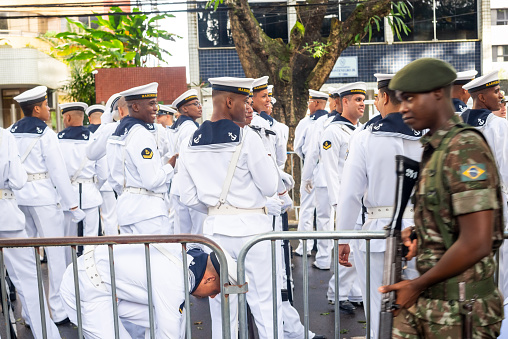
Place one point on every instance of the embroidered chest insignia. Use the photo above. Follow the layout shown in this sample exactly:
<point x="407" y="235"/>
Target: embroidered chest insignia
<point x="39" y="130"/>
<point x="147" y="153"/>
<point x="232" y="136"/>
<point x="481" y="122"/>
<point x="327" y="144"/>
<point x="196" y="139"/>
<point x="377" y="127"/>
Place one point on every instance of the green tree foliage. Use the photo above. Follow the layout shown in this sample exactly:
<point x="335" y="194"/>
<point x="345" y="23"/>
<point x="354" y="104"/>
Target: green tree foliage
<point x="81" y="87"/>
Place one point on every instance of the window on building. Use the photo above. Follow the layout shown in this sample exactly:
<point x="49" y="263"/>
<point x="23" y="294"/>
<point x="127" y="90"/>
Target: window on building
<point x="500" y="53"/>
<point x="214" y="28"/>
<point x="4" y="23"/>
<point x="455" y="20"/>
<point x="501" y="17"/>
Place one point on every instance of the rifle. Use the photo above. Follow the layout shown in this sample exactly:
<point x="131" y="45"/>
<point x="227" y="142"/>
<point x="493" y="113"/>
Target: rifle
<point x="288" y="291"/>
<point x="80" y="223"/>
<point x="407" y="174"/>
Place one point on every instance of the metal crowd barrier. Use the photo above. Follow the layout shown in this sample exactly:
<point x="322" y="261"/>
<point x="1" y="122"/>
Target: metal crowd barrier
<point x="36" y="243"/>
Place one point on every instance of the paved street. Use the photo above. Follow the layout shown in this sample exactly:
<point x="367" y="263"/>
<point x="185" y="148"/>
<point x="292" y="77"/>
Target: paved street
<point x="321" y="313"/>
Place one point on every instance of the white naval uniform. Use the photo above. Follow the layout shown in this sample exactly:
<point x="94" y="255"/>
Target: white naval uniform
<point x="135" y="171"/>
<point x="312" y="171"/>
<point x="254" y="178"/>
<point x="187" y="220"/>
<point x="20" y="262"/>
<point x="369" y="173"/>
<point x="95" y="151"/>
<point x="495" y="130"/>
<point x="334" y="144"/>
<point x="131" y="290"/>
<point x="279" y="139"/>
<point x="90" y="174"/>
<point x="40" y="201"/>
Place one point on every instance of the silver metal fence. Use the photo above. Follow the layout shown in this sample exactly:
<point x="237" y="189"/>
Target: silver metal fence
<point x="110" y="241"/>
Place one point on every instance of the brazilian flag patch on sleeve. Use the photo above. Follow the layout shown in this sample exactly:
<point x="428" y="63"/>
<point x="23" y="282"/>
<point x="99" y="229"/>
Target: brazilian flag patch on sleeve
<point x="327" y="144"/>
<point x="147" y="153"/>
<point x="475" y="172"/>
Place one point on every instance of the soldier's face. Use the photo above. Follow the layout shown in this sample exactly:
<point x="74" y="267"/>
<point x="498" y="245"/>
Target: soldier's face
<point x="355" y="105"/>
<point x="492" y="98"/>
<point x="147" y="110"/>
<point x="248" y="111"/>
<point x="238" y="104"/>
<point x="261" y="101"/>
<point x="42" y="111"/>
<point x="193" y="109"/>
<point x="417" y="110"/>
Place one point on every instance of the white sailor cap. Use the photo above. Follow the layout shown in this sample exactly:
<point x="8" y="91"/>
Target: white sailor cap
<point x="332" y="92"/>
<point x="73" y="106"/>
<point x="166" y="110"/>
<point x="190" y="95"/>
<point x="260" y="84"/>
<point x="353" y="88"/>
<point x="232" y="266"/>
<point x="317" y="95"/>
<point x="233" y="85"/>
<point x="273" y="100"/>
<point x="141" y="92"/>
<point x="383" y="79"/>
<point x="95" y="109"/>
<point x="270" y="90"/>
<point x="486" y="81"/>
<point x="465" y="77"/>
<point x="112" y="103"/>
<point x="32" y="96"/>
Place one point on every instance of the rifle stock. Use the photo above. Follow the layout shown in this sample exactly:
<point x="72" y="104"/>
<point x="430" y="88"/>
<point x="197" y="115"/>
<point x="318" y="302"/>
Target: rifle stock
<point x="407" y="175"/>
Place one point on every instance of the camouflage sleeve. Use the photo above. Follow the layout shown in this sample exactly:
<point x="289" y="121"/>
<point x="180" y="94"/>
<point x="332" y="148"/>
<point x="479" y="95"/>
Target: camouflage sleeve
<point x="470" y="174"/>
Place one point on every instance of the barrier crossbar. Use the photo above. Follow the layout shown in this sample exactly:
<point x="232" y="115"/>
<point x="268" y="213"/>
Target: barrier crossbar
<point x="110" y="241"/>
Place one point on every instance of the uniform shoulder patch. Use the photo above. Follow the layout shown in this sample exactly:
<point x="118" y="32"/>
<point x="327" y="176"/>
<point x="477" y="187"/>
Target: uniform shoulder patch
<point x="147" y="153"/>
<point x="327" y="144"/>
<point x="473" y="172"/>
<point x="180" y="309"/>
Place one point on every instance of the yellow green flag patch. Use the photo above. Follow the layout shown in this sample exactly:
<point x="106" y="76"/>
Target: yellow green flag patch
<point x="474" y="172"/>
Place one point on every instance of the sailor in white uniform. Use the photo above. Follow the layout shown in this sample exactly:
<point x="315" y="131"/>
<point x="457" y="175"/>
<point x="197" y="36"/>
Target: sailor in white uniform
<point x="135" y="166"/>
<point x="460" y="95"/>
<point x="165" y="115"/>
<point x="487" y="97"/>
<point x="94" y="114"/>
<point x="116" y="109"/>
<point x="20" y="262"/>
<point x="187" y="220"/>
<point x="131" y="287"/>
<point x="369" y="174"/>
<point x="84" y="173"/>
<point x="334" y="146"/>
<point x="233" y="192"/>
<point x="48" y="191"/>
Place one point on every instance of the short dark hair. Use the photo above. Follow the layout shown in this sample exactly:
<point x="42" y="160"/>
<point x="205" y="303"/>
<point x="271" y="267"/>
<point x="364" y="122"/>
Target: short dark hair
<point x="29" y="109"/>
<point x="391" y="95"/>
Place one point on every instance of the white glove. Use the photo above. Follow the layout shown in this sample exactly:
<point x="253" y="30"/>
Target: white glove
<point x="288" y="180"/>
<point x="274" y="206"/>
<point x="308" y="186"/>
<point x="77" y="215"/>
<point x="287" y="203"/>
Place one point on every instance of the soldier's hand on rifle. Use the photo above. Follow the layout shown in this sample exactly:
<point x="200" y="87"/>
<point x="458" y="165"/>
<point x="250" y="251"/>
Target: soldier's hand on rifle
<point x="344" y="251"/>
<point x="407" y="292"/>
<point x="411" y="244"/>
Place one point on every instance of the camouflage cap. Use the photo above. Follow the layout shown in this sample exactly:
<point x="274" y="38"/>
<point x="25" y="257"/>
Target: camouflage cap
<point x="423" y="75"/>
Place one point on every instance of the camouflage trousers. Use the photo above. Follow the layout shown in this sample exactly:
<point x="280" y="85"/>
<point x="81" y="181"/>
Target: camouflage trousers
<point x="407" y="326"/>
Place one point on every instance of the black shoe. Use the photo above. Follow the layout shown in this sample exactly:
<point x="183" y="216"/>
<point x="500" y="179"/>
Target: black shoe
<point x="62" y="322"/>
<point x="299" y="255"/>
<point x="357" y="303"/>
<point x="319" y="336"/>
<point x="346" y="306"/>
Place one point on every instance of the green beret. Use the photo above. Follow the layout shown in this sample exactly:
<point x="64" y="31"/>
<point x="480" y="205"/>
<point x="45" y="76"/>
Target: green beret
<point x="423" y="75"/>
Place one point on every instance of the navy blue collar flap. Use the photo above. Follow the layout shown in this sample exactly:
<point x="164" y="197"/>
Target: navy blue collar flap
<point x="373" y="121"/>
<point x="75" y="133"/>
<point x="393" y="125"/>
<point x="127" y="123"/>
<point x="318" y="114"/>
<point x="459" y="105"/>
<point x="93" y="127"/>
<point x="181" y="119"/>
<point x="29" y="125"/>
<point x="476" y="117"/>
<point x="333" y="113"/>
<point x="219" y="132"/>
<point x="339" y="119"/>
<point x="268" y="118"/>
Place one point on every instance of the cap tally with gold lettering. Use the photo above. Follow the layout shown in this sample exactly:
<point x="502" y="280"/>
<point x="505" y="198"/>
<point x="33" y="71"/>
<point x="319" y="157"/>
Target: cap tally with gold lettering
<point x="270" y="90"/>
<point x="354" y="88"/>
<point x="190" y="95"/>
<point x="233" y="85"/>
<point x="148" y="91"/>
<point x="73" y="106"/>
<point x="465" y="77"/>
<point x="383" y="79"/>
<point x="94" y="109"/>
<point x="332" y="92"/>
<point x="260" y="84"/>
<point x="166" y="110"/>
<point x="483" y="82"/>
<point x="317" y="95"/>
<point x="32" y="96"/>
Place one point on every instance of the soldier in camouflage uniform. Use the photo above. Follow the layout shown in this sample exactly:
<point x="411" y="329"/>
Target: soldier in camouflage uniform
<point x="458" y="216"/>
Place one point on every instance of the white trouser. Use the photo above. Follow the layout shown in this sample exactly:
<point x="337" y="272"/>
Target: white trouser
<point x="20" y="264"/>
<point x="90" y="223"/>
<point x="306" y="216"/>
<point x="96" y="307"/>
<point x="47" y="222"/>
<point x="259" y="296"/>
<point x="172" y="214"/>
<point x="157" y="225"/>
<point x="324" y="222"/>
<point x="376" y="280"/>
<point x="348" y="288"/>
<point x="187" y="220"/>
<point x="503" y="269"/>
<point x="108" y="213"/>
